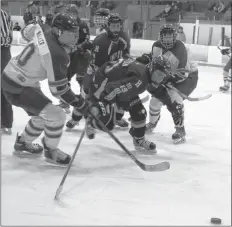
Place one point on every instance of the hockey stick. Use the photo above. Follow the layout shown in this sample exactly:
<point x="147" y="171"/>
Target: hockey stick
<point x="58" y="191"/>
<point x="187" y="97"/>
<point x="150" y="168"/>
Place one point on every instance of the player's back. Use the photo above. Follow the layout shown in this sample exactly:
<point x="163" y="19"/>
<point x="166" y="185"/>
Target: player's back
<point x="36" y="60"/>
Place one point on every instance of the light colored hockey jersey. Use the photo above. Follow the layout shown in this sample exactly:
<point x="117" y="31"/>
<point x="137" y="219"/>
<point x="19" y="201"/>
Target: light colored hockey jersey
<point x="42" y="58"/>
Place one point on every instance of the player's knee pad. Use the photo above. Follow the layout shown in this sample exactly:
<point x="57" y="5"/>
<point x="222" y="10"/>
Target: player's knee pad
<point x="227" y="67"/>
<point x="53" y="115"/>
<point x="138" y="120"/>
<point x="177" y="111"/>
<point x="37" y="121"/>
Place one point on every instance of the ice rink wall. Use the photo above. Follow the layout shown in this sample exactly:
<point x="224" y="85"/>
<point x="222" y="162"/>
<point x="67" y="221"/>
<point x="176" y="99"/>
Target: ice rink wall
<point x="204" y="55"/>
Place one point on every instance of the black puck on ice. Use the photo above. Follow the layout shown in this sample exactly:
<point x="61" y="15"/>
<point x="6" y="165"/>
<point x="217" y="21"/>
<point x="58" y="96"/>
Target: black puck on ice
<point x="217" y="221"/>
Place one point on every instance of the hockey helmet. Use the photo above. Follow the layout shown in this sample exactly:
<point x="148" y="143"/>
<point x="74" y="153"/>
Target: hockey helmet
<point x="72" y="10"/>
<point x="115" y="25"/>
<point x="67" y="30"/>
<point x="65" y="22"/>
<point x="101" y="17"/>
<point x="167" y="36"/>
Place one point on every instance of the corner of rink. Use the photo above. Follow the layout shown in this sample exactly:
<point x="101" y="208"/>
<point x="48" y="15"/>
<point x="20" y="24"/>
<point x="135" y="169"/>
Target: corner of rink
<point x="105" y="187"/>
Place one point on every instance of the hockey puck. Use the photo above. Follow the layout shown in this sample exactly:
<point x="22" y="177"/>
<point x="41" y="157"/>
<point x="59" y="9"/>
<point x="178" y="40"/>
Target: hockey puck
<point x="217" y="221"/>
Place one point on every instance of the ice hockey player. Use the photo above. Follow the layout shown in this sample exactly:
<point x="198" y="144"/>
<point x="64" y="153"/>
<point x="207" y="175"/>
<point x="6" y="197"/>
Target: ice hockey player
<point x="80" y="58"/>
<point x="226" y="71"/>
<point x="44" y="57"/>
<point x="109" y="46"/>
<point x="171" y="54"/>
<point x="119" y="83"/>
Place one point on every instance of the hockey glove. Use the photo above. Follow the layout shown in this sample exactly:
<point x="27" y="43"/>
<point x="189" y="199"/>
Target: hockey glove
<point x="144" y="59"/>
<point x="225" y="51"/>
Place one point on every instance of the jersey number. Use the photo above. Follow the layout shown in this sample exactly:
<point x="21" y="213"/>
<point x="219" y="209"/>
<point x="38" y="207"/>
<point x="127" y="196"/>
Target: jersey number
<point x="26" y="54"/>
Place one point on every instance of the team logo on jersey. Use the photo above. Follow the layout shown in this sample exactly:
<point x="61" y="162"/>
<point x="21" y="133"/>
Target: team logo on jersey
<point x="40" y="38"/>
<point x="21" y="78"/>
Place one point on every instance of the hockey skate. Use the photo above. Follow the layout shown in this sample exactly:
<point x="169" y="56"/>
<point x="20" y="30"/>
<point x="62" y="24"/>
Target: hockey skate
<point x="141" y="144"/>
<point x="55" y="156"/>
<point x="224" y="88"/>
<point x="122" y="123"/>
<point x="179" y="135"/>
<point x="65" y="106"/>
<point x="25" y="149"/>
<point x="151" y="126"/>
<point x="71" y="124"/>
<point x="6" y="131"/>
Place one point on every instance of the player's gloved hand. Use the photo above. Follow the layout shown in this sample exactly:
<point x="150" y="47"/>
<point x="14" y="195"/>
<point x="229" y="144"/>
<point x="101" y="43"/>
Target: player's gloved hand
<point x="82" y="105"/>
<point x="225" y="51"/>
<point x="144" y="59"/>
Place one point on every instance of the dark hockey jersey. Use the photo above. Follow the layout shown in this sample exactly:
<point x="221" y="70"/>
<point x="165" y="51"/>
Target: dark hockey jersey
<point x="42" y="58"/>
<point x="105" y="49"/>
<point x="124" y="79"/>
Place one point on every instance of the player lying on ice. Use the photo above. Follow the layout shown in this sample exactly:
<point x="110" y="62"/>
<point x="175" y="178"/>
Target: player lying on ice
<point x="46" y="56"/>
<point x="184" y="78"/>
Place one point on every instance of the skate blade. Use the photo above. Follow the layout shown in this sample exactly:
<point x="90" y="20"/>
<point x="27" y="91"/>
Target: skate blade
<point x="144" y="151"/>
<point x="5" y="132"/>
<point x="149" y="131"/>
<point x="25" y="154"/>
<point x="69" y="129"/>
<point x="52" y="162"/>
<point x="179" y="141"/>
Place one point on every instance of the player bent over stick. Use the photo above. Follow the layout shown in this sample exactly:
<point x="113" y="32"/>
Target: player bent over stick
<point x="45" y="57"/>
<point x="172" y="59"/>
<point x="118" y="83"/>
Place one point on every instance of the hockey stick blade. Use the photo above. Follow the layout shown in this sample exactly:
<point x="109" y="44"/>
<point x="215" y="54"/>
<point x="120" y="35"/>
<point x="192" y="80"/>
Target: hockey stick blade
<point x="149" y="168"/>
<point x="189" y="98"/>
<point x="199" y="98"/>
<point x="162" y="166"/>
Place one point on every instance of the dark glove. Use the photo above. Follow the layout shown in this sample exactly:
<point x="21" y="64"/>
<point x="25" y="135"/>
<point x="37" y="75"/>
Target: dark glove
<point x="83" y="105"/>
<point x="225" y="51"/>
<point x="144" y="59"/>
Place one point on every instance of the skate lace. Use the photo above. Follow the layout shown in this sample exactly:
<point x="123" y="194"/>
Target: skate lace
<point x="63" y="105"/>
<point x="150" y="125"/>
<point x="121" y="121"/>
<point x="72" y="122"/>
<point x="33" y="146"/>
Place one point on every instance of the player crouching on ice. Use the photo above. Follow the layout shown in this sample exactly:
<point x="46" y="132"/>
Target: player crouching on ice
<point x="226" y="71"/>
<point x="44" y="57"/>
<point x="172" y="65"/>
<point x="119" y="83"/>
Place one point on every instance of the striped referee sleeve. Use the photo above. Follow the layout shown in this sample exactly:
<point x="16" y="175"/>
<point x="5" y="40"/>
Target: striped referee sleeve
<point x="6" y="29"/>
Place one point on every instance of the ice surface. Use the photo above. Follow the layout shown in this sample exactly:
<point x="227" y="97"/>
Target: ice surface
<point x="104" y="187"/>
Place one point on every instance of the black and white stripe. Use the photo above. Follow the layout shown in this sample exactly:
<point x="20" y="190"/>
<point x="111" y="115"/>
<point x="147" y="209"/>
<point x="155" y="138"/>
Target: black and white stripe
<point x="6" y="29"/>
